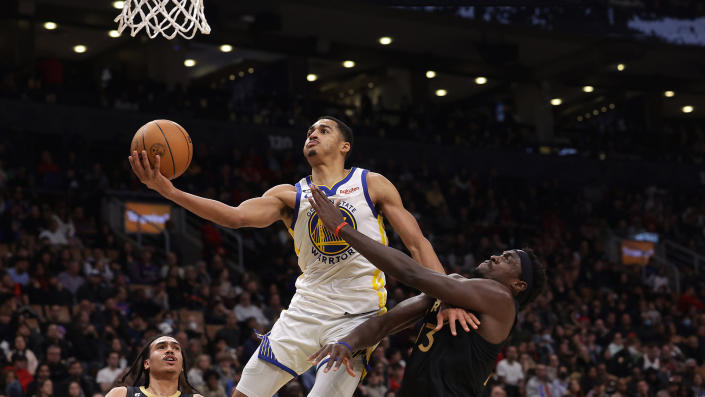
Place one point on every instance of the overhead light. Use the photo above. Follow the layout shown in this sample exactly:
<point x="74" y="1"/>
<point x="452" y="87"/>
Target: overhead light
<point x="603" y="109"/>
<point x="311" y="77"/>
<point x="595" y="112"/>
<point x="189" y="63"/>
<point x="348" y="64"/>
<point x="50" y="25"/>
<point x="386" y="40"/>
<point x="351" y="91"/>
<point x="556" y="101"/>
<point x="687" y="109"/>
<point x="430" y="74"/>
<point x="250" y="70"/>
<point x="669" y="94"/>
<point x="114" y="34"/>
<point x="241" y="73"/>
<point x="611" y="106"/>
<point x="226" y="48"/>
<point x="370" y="85"/>
<point x="588" y="88"/>
<point x="587" y="115"/>
<point x="580" y="118"/>
<point x="118" y="4"/>
<point x="79" y="49"/>
<point x="441" y="92"/>
<point x="231" y="77"/>
<point x="480" y="80"/>
<point x="620" y="67"/>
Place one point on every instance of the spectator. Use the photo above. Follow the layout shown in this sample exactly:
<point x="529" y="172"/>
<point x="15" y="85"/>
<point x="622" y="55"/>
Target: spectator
<point x="45" y="389"/>
<point x="212" y="386"/>
<point x="54" y="235"/>
<point x="245" y="309"/>
<point x="575" y="390"/>
<point x="20" y="347"/>
<point x="19" y="367"/>
<point x="539" y="385"/>
<point x="642" y="389"/>
<point x="13" y="388"/>
<point x="71" y="278"/>
<point x="395" y="376"/>
<point x="59" y="372"/>
<point x="651" y="358"/>
<point x="18" y="273"/>
<point x="107" y="375"/>
<point x="510" y="372"/>
<point x="616" y="345"/>
<point x="274" y="309"/>
<point x="374" y="386"/>
<point x="197" y="372"/>
<point x="43" y="373"/>
<point x="94" y="290"/>
<point x="145" y="271"/>
<point x="86" y="384"/>
<point x="74" y="389"/>
<point x="230" y="332"/>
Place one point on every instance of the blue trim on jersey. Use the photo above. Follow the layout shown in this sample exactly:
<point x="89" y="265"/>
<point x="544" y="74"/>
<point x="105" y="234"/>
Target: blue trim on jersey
<point x="331" y="191"/>
<point x="296" y="206"/>
<point x="265" y="353"/>
<point x="367" y="193"/>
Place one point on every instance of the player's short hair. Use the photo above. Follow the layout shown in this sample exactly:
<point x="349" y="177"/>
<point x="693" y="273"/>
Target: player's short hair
<point x="344" y="129"/>
<point x="538" y="281"/>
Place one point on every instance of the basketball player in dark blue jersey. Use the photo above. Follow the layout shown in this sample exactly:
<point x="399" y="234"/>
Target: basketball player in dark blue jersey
<point x="441" y="365"/>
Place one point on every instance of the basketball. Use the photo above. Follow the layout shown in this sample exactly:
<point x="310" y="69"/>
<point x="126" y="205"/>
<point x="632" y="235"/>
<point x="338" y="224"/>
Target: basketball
<point x="168" y="140"/>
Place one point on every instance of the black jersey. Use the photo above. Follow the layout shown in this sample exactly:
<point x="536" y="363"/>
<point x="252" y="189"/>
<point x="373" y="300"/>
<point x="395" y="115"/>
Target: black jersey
<point x="133" y="391"/>
<point x="443" y="365"/>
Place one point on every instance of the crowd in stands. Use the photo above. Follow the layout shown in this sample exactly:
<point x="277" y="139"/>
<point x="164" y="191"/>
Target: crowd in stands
<point x="77" y="301"/>
<point x="492" y="122"/>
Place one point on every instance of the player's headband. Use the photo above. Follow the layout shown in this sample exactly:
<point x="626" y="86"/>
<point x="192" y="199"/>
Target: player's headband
<point x="527" y="268"/>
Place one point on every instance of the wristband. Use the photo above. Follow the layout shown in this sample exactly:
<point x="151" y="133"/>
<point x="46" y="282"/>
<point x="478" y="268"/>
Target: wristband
<point x="346" y="345"/>
<point x="337" y="229"/>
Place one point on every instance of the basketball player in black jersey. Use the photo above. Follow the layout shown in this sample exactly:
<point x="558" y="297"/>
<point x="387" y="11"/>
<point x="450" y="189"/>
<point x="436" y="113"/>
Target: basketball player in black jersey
<point x="158" y="371"/>
<point x="440" y="365"/>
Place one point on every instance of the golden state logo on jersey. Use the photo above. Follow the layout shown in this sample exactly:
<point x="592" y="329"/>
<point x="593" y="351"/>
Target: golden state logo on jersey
<point x="324" y="240"/>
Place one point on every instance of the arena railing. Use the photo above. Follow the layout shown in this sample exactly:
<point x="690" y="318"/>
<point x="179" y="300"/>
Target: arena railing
<point x="683" y="256"/>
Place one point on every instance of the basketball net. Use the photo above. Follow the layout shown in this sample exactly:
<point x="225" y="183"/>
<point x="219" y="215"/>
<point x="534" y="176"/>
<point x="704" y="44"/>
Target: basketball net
<point x="165" y="17"/>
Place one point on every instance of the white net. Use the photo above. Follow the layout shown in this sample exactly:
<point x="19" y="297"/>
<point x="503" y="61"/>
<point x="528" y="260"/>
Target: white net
<point x="165" y="17"/>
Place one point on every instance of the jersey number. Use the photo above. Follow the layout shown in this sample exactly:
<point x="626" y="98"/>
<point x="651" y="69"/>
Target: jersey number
<point x="429" y="336"/>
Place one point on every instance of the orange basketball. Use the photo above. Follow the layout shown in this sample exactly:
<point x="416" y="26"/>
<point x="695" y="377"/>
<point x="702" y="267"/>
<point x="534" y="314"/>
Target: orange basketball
<point x="168" y="140"/>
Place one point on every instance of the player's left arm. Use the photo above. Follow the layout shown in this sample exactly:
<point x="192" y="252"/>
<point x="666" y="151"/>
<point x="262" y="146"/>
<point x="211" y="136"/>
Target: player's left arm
<point x="386" y="198"/>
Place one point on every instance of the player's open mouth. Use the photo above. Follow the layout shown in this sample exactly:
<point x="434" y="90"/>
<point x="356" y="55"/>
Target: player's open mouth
<point x="170" y="359"/>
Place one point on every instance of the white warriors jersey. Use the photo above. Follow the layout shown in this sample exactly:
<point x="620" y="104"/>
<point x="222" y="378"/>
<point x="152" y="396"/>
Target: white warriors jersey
<point x="336" y="279"/>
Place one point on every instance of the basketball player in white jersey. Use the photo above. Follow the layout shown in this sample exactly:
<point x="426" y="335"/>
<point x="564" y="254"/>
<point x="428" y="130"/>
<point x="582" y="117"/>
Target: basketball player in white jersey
<point x="339" y="289"/>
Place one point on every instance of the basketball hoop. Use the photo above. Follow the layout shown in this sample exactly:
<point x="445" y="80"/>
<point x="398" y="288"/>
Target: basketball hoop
<point x="165" y="17"/>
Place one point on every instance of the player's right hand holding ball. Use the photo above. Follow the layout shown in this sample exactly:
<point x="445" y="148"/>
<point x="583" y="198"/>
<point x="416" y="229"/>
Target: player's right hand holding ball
<point x="149" y="175"/>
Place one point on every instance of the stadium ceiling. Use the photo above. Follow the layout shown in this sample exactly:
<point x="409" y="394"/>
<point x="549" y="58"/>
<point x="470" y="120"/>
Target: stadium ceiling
<point x="330" y="31"/>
